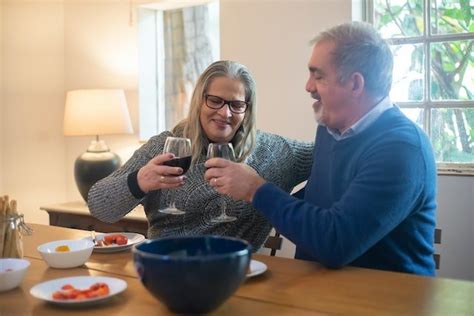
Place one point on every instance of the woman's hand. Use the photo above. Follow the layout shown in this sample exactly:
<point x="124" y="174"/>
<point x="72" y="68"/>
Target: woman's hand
<point x="154" y="175"/>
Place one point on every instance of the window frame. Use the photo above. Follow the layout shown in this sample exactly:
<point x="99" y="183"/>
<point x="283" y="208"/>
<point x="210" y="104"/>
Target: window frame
<point x="151" y="50"/>
<point x="427" y="104"/>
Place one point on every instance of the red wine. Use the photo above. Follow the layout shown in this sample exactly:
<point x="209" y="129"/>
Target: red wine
<point x="184" y="163"/>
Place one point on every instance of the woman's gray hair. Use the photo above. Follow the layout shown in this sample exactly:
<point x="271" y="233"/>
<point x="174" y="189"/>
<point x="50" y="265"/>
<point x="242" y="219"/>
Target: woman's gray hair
<point x="359" y="48"/>
<point x="245" y="138"/>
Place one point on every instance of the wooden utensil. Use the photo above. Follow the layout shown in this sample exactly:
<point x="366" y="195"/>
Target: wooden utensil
<point x="3" y="224"/>
<point x="11" y="243"/>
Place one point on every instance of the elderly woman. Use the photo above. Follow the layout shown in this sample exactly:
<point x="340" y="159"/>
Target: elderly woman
<point x="222" y="109"/>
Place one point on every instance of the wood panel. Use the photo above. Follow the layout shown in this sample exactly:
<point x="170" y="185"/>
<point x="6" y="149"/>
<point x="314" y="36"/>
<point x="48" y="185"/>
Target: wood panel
<point x="136" y="300"/>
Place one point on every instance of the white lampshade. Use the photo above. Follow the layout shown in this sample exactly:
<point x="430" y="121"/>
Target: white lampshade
<point x="96" y="112"/>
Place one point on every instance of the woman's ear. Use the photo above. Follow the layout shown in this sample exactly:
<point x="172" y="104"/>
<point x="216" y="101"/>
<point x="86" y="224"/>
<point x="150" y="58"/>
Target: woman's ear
<point x="358" y="83"/>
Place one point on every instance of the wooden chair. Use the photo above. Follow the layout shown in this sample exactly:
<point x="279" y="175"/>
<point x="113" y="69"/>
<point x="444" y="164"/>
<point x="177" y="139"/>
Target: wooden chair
<point x="437" y="240"/>
<point x="274" y="243"/>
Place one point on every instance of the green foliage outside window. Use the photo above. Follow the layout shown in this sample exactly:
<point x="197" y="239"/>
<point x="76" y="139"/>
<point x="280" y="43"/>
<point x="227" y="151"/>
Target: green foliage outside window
<point x="450" y="41"/>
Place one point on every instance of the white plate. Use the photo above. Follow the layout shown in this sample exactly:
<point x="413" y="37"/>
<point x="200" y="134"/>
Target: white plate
<point x="44" y="291"/>
<point x="256" y="268"/>
<point x="133" y="238"/>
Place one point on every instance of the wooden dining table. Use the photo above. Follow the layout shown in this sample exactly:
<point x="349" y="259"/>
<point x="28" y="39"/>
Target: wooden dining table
<point x="288" y="287"/>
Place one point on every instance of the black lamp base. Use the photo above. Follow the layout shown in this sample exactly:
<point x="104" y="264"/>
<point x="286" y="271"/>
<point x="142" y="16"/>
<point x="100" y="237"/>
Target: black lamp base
<point x="92" y="166"/>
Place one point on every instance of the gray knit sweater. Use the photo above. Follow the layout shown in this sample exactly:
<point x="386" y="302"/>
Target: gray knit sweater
<point x="279" y="160"/>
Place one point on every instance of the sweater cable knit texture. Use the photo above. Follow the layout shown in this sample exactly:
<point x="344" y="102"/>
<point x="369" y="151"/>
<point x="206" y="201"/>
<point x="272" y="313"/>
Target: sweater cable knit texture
<point x="281" y="161"/>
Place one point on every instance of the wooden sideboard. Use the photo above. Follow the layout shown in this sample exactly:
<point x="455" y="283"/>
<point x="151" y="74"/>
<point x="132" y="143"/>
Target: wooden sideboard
<point x="76" y="215"/>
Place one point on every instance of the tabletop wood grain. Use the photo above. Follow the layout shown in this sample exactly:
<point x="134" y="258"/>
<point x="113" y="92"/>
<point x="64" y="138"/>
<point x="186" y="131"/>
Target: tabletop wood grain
<point x="134" y="301"/>
<point x="289" y="287"/>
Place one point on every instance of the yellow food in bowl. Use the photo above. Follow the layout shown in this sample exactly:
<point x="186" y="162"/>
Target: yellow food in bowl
<point x="62" y="248"/>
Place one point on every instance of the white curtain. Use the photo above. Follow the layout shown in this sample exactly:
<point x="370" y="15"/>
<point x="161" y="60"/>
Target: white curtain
<point x="188" y="52"/>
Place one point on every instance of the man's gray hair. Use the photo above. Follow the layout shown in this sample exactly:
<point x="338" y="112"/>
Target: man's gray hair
<point x="359" y="48"/>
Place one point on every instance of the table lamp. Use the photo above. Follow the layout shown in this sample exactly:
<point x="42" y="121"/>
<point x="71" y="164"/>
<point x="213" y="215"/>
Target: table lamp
<point x="95" y="112"/>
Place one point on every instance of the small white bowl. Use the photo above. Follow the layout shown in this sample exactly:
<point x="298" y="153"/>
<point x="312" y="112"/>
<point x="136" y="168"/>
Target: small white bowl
<point x="12" y="272"/>
<point x="80" y="251"/>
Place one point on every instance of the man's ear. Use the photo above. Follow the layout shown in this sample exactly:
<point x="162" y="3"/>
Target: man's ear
<point x="358" y="83"/>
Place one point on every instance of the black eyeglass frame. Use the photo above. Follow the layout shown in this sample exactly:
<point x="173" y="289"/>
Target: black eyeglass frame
<point x="230" y="103"/>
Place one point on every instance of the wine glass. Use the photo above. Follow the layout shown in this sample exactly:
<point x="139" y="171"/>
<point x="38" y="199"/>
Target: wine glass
<point x="226" y="151"/>
<point x="181" y="148"/>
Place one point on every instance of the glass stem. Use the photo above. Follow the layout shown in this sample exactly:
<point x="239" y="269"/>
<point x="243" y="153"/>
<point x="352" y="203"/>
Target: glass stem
<point x="223" y="207"/>
<point x="171" y="203"/>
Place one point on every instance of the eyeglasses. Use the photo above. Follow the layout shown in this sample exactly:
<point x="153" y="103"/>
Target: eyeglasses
<point x="235" y="106"/>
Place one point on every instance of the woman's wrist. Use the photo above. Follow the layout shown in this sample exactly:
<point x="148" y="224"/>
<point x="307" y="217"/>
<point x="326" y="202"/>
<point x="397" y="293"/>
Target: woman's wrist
<point x="133" y="186"/>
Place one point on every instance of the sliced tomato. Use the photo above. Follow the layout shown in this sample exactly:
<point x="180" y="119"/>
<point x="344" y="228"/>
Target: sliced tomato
<point x="58" y="295"/>
<point x="109" y="239"/>
<point x="67" y="287"/>
<point x="81" y="296"/>
<point x="121" y="240"/>
<point x="73" y="294"/>
<point x="68" y="292"/>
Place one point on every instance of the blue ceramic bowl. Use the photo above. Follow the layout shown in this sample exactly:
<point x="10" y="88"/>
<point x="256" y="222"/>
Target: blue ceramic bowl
<point x="192" y="274"/>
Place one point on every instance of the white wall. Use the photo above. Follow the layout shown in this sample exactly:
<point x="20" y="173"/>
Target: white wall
<point x="2" y="117"/>
<point x="272" y="39"/>
<point x="51" y="46"/>
<point x="33" y="99"/>
<point x="100" y="49"/>
<point x="456" y="220"/>
<point x="48" y="48"/>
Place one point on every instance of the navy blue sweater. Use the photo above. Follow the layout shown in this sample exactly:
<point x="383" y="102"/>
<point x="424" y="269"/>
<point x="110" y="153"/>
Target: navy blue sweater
<point x="369" y="202"/>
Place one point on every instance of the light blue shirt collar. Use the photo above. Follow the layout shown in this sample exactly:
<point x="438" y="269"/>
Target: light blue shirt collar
<point x="364" y="122"/>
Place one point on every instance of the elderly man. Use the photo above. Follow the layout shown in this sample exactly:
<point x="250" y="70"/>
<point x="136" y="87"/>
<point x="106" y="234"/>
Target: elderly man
<point x="370" y="199"/>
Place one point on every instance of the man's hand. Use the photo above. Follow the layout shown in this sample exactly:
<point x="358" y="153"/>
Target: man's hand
<point x="154" y="175"/>
<point x="237" y="180"/>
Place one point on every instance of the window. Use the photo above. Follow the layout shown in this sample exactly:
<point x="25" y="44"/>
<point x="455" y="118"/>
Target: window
<point x="433" y="80"/>
<point x="177" y="41"/>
